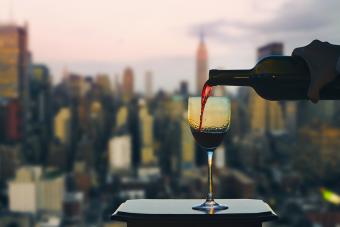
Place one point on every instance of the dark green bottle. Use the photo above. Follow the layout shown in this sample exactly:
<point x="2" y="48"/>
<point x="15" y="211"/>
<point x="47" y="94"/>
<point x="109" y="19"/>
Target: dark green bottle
<point x="275" y="78"/>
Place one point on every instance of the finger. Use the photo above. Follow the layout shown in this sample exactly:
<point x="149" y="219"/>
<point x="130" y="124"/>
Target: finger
<point x="318" y="81"/>
<point x="313" y="93"/>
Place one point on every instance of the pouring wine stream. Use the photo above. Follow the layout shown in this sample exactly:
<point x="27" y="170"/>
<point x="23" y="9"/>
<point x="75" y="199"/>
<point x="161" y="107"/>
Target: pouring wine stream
<point x="205" y="94"/>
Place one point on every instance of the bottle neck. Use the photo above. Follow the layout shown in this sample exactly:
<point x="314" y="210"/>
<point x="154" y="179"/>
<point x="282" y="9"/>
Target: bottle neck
<point x="230" y="77"/>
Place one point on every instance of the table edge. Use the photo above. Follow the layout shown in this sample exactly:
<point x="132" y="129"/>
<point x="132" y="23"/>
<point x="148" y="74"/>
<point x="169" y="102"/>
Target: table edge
<point x="127" y="217"/>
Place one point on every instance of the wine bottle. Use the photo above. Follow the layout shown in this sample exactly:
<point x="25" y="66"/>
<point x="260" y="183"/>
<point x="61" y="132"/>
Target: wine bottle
<point x="275" y="78"/>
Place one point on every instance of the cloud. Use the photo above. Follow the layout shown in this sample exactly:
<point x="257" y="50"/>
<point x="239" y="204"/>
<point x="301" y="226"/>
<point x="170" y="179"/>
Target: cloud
<point x="302" y="16"/>
<point x="292" y="18"/>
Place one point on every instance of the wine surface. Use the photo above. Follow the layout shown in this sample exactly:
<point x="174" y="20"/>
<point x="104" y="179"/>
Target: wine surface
<point x="209" y="140"/>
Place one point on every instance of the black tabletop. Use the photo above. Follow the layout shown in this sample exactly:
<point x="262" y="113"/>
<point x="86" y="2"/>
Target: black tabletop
<point x="178" y="209"/>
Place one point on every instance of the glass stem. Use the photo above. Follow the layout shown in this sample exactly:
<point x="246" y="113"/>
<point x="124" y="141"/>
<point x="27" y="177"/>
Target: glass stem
<point x="210" y="177"/>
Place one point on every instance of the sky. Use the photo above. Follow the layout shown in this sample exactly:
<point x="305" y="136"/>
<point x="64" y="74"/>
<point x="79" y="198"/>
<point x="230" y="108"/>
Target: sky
<point x="105" y="36"/>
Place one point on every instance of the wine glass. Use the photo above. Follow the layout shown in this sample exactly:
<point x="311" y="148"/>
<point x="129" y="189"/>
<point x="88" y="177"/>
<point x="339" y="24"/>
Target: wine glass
<point x="215" y="123"/>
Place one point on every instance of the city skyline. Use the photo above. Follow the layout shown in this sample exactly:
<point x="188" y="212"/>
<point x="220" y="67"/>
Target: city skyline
<point x="78" y="149"/>
<point x="128" y="35"/>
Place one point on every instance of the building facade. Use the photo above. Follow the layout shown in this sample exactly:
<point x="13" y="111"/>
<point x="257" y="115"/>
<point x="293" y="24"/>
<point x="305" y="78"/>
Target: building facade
<point x="128" y="83"/>
<point x="14" y="76"/>
<point x="120" y="153"/>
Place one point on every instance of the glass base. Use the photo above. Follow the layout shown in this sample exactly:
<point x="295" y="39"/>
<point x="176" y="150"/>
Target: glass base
<point x="210" y="206"/>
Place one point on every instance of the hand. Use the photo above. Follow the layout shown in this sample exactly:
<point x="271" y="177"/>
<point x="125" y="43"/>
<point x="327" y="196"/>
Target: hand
<point x="321" y="58"/>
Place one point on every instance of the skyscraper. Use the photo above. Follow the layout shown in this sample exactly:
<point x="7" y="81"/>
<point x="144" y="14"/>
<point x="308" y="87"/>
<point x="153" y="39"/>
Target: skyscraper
<point x="148" y="84"/>
<point x="40" y="98"/>
<point x="23" y="190"/>
<point x="12" y="121"/>
<point x="14" y="60"/>
<point x="184" y="89"/>
<point x="187" y="147"/>
<point x="75" y="84"/>
<point x="148" y="156"/>
<point x="275" y="48"/>
<point x="201" y="65"/>
<point x="120" y="153"/>
<point x="104" y="83"/>
<point x="62" y="125"/>
<point x="14" y="70"/>
<point x="117" y="86"/>
<point x="128" y="83"/>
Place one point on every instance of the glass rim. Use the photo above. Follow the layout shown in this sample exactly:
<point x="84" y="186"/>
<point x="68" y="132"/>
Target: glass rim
<point x="210" y="97"/>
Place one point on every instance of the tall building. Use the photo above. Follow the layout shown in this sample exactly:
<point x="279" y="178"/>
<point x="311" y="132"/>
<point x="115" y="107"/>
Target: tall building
<point x="13" y="124"/>
<point x="266" y="116"/>
<point x="14" y="60"/>
<point x="188" y="155"/>
<point x="9" y="162"/>
<point x="96" y="110"/>
<point x="201" y="65"/>
<point x="183" y="154"/>
<point x="120" y="153"/>
<point x="167" y="134"/>
<point x="2" y="121"/>
<point x="40" y="94"/>
<point x="133" y="125"/>
<point x="148" y="156"/>
<point x="122" y="119"/>
<point x="128" y="83"/>
<point x="62" y="125"/>
<point x="14" y="71"/>
<point x="76" y="85"/>
<point x="22" y="191"/>
<point x="103" y="81"/>
<point x="184" y="89"/>
<point x="72" y="208"/>
<point x="275" y="48"/>
<point x="117" y="87"/>
<point x="51" y="192"/>
<point x="148" y="84"/>
<point x="220" y="157"/>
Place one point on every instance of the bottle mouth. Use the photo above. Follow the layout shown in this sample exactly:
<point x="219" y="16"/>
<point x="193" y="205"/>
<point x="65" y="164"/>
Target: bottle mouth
<point x="211" y="82"/>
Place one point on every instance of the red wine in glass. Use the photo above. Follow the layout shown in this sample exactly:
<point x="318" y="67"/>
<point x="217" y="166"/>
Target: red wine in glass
<point x="208" y="140"/>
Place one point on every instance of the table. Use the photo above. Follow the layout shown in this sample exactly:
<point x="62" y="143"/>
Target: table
<point x="178" y="213"/>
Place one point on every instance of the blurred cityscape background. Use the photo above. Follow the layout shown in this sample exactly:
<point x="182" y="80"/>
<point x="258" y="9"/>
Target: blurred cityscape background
<point x="73" y="149"/>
